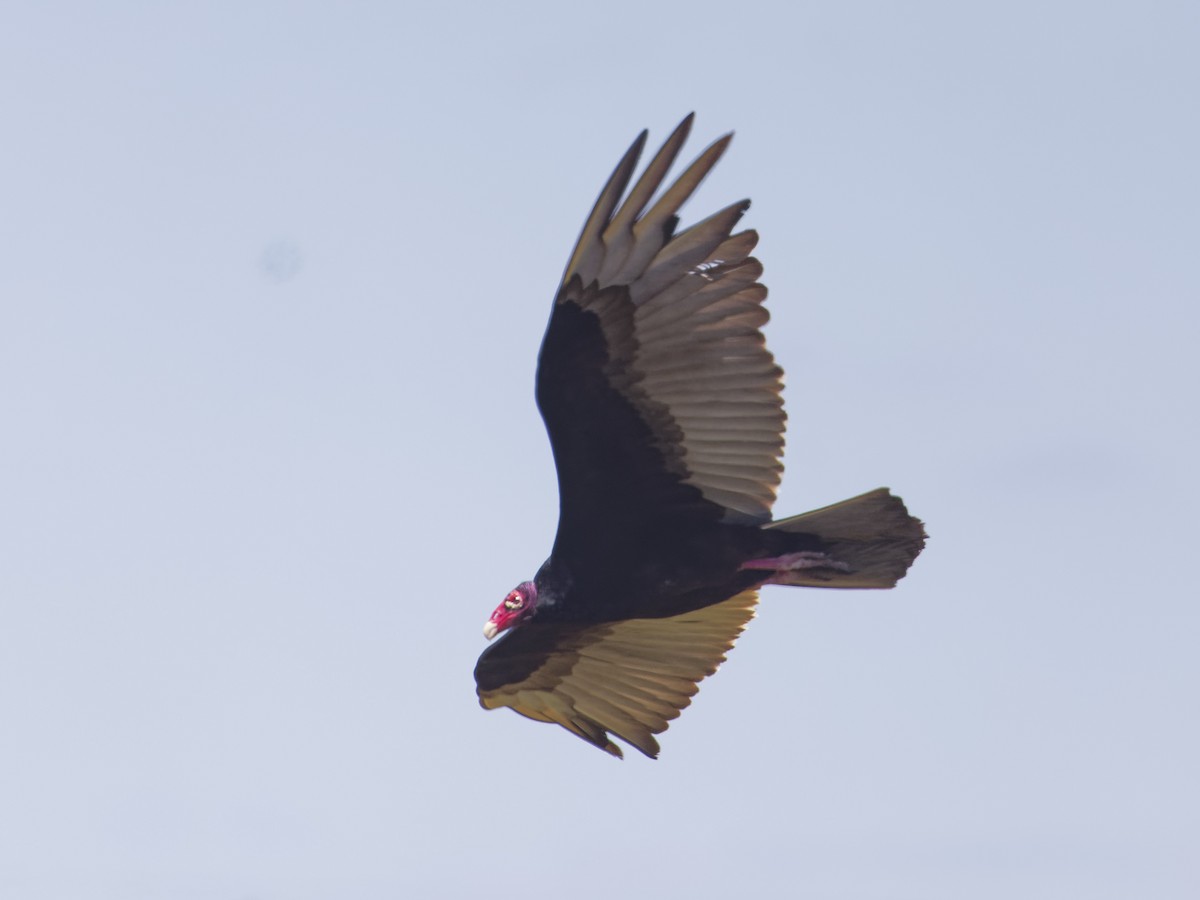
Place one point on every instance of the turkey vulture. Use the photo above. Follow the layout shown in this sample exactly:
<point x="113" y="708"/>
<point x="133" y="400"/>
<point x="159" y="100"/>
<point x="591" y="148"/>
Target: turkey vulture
<point x="664" y="413"/>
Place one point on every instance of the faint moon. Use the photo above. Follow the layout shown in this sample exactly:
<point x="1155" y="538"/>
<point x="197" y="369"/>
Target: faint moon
<point x="281" y="260"/>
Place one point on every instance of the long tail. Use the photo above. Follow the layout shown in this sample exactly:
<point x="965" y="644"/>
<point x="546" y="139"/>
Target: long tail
<point x="869" y="540"/>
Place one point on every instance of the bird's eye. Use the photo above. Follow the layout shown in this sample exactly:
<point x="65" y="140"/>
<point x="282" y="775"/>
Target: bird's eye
<point x="512" y="603"/>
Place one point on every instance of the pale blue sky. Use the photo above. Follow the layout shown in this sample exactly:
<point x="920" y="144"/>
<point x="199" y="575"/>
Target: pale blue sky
<point x="272" y="281"/>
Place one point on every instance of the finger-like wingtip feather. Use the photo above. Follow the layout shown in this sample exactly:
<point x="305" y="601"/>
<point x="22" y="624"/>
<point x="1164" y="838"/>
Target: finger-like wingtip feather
<point x="589" y="249"/>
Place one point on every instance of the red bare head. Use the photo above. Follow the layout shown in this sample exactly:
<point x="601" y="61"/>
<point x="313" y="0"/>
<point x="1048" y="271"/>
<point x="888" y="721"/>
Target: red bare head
<point x="517" y="606"/>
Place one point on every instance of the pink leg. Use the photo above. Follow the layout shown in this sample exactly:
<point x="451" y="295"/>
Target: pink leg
<point x="793" y="562"/>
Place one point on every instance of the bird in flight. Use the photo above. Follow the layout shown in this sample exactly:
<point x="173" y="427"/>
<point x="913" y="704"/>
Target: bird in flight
<point x="665" y="417"/>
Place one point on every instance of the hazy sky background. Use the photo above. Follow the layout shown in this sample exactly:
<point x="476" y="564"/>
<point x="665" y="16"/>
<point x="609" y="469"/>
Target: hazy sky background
<point x="272" y="283"/>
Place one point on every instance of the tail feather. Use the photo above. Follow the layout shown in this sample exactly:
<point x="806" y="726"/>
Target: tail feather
<point x="872" y="538"/>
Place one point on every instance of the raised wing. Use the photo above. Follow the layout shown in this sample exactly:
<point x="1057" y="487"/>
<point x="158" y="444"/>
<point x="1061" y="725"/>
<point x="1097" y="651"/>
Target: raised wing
<point x="659" y="395"/>
<point x="628" y="678"/>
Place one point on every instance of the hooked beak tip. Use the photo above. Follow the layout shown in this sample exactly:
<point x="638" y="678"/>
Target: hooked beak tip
<point x="490" y="630"/>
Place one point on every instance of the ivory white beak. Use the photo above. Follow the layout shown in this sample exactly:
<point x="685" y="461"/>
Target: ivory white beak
<point x="490" y="630"/>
